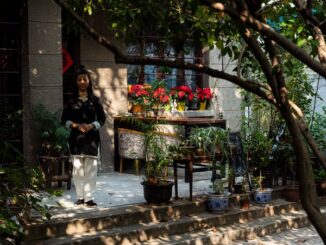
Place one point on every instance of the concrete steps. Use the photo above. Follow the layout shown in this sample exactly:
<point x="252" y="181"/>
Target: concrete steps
<point x="181" y="222"/>
<point x="238" y="231"/>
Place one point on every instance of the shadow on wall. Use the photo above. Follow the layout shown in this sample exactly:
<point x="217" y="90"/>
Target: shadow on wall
<point x="110" y="85"/>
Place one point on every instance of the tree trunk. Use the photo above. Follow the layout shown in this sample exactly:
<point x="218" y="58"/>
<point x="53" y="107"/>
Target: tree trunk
<point x="306" y="179"/>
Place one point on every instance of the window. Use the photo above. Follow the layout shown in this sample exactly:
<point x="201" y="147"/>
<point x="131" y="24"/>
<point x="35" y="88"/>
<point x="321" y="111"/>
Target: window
<point x="10" y="74"/>
<point x="150" y="47"/>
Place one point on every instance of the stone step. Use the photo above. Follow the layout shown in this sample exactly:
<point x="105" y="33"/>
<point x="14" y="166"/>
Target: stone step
<point x="77" y="221"/>
<point x="179" y="224"/>
<point x="244" y="231"/>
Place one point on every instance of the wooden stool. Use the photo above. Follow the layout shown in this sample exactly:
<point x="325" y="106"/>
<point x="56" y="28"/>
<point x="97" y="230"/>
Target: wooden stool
<point x="56" y="169"/>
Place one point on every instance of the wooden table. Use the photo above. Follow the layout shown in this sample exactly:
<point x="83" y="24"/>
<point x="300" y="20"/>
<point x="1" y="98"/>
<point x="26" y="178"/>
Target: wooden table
<point x="188" y="123"/>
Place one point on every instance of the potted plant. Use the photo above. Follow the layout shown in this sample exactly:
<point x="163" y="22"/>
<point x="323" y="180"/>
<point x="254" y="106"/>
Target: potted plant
<point x="245" y="194"/>
<point x="157" y="187"/>
<point x="54" y="145"/>
<point x="159" y="96"/>
<point x="204" y="96"/>
<point x="259" y="152"/>
<point x="202" y="139"/>
<point x="320" y="177"/>
<point x="52" y="133"/>
<point x="291" y="192"/>
<point x="218" y="200"/>
<point x="182" y="95"/>
<point x="138" y="95"/>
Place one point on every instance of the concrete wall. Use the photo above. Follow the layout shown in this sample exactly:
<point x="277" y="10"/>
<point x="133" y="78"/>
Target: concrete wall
<point x="228" y="98"/>
<point x="110" y="84"/>
<point x="42" y="64"/>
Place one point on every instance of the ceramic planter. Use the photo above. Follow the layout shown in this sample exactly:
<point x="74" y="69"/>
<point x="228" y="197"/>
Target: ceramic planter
<point x="218" y="203"/>
<point x="181" y="106"/>
<point x="263" y="197"/>
<point x="202" y="105"/>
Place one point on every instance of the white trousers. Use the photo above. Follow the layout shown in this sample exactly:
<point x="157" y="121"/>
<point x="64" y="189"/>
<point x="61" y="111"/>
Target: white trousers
<point x="84" y="175"/>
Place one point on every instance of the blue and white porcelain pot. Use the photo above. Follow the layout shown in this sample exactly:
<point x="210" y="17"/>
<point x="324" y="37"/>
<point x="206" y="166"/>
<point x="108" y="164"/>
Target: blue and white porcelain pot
<point x="218" y="203"/>
<point x="264" y="196"/>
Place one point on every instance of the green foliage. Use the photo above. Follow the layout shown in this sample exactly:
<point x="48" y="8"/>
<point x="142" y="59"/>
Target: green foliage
<point x="53" y="134"/>
<point x="320" y="174"/>
<point x="157" y="157"/>
<point x="20" y="185"/>
<point x="218" y="186"/>
<point x="158" y="154"/>
<point x="10" y="121"/>
<point x="208" y="138"/>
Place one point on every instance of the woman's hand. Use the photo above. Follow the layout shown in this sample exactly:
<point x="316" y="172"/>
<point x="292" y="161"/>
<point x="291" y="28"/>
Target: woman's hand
<point x="84" y="128"/>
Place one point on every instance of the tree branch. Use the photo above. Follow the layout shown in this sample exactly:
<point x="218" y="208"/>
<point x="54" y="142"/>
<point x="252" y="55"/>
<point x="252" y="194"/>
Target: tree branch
<point x="252" y="86"/>
<point x="306" y="14"/>
<point x="267" y="31"/>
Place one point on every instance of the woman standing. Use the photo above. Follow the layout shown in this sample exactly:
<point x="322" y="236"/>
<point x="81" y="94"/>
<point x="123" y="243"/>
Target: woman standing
<point x="84" y="115"/>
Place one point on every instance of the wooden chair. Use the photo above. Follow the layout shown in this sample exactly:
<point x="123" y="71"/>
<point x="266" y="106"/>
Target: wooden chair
<point x="131" y="146"/>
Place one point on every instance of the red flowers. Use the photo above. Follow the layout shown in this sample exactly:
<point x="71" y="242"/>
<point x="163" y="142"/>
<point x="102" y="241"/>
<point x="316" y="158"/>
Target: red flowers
<point x="204" y="94"/>
<point x="138" y="93"/>
<point x="160" y="96"/>
<point x="182" y="93"/>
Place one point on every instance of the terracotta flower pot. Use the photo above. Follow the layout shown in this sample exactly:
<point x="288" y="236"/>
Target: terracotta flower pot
<point x="291" y="194"/>
<point x="136" y="108"/>
<point x="245" y="204"/>
<point x="321" y="188"/>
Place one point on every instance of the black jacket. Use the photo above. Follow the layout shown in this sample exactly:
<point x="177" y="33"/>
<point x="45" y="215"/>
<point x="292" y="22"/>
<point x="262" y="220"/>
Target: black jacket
<point x="86" y="112"/>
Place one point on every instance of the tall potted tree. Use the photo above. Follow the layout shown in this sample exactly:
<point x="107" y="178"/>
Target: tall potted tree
<point x="157" y="187"/>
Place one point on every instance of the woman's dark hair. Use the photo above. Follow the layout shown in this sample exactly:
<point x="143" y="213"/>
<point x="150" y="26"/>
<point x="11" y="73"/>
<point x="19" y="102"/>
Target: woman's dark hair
<point x="81" y="71"/>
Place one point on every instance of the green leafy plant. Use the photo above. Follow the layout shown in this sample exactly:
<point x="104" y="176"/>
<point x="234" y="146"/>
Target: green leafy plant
<point x="11" y="122"/>
<point x="320" y="174"/>
<point x="158" y="153"/>
<point x="157" y="158"/>
<point x="200" y="138"/>
<point x="20" y="185"/>
<point x="259" y="150"/>
<point x="53" y="134"/>
<point x="211" y="141"/>
<point x="218" y="186"/>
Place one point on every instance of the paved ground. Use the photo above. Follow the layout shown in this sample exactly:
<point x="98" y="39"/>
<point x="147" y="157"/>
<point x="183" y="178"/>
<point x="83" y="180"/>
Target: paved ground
<point x="115" y="189"/>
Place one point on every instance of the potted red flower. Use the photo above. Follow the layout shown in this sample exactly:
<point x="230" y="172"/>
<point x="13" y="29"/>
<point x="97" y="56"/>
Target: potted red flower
<point x="160" y="98"/>
<point x="204" y="96"/>
<point x="138" y="93"/>
<point x="182" y="95"/>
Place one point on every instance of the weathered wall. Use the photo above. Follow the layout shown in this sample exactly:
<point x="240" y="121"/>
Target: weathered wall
<point x="228" y="95"/>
